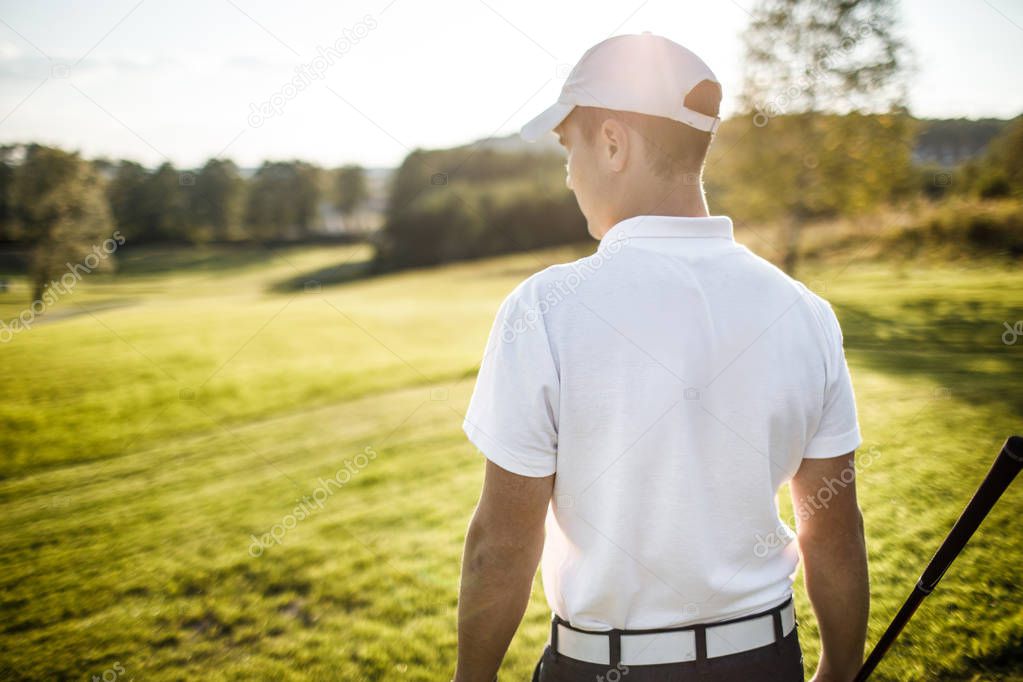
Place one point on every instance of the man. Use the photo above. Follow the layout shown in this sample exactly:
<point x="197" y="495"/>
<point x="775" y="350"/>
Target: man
<point x="646" y="403"/>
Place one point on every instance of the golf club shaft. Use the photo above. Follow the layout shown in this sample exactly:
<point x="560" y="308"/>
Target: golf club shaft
<point x="1002" y="472"/>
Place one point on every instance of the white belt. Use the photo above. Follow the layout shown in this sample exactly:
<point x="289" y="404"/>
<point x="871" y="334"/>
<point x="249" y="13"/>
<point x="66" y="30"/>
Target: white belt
<point x="674" y="646"/>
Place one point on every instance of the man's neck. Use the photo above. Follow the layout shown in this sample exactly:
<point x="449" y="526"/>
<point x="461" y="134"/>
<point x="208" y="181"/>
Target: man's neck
<point x="680" y="200"/>
<point x="685" y="202"/>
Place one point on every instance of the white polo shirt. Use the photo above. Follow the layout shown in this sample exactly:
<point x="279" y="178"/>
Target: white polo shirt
<point x="673" y="380"/>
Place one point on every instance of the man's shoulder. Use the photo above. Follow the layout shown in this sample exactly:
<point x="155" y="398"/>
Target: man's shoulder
<point x="814" y="303"/>
<point x="821" y="310"/>
<point x="769" y="270"/>
<point x="559" y="279"/>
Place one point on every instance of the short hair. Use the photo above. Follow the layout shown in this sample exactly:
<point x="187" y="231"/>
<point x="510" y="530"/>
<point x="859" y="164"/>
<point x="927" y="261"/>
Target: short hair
<point x="673" y="148"/>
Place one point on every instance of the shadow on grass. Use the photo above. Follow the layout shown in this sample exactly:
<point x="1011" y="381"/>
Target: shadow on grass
<point x="76" y="310"/>
<point x="152" y="261"/>
<point x="957" y="344"/>
<point x="315" y="279"/>
<point x="211" y="258"/>
<point x="1004" y="664"/>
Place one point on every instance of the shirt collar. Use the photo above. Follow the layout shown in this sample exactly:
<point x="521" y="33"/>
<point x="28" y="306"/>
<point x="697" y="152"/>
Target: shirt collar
<point x="658" y="227"/>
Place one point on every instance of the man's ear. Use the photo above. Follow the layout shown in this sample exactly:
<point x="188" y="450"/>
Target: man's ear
<point x="614" y="142"/>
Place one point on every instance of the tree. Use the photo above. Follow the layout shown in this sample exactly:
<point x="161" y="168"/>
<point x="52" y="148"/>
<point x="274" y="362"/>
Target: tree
<point x="8" y="159"/>
<point x="165" y="202"/>
<point x="351" y="191"/>
<point x="62" y="214"/>
<point x="126" y="194"/>
<point x="216" y="200"/>
<point x="454" y="204"/>
<point x="1001" y="172"/>
<point x="283" y="200"/>
<point x="803" y="60"/>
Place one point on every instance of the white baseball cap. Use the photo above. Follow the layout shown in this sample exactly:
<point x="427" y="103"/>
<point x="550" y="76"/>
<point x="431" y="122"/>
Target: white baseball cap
<point x="645" y="74"/>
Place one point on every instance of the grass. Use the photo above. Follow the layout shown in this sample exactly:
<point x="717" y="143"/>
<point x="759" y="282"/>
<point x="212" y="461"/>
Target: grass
<point x="158" y="419"/>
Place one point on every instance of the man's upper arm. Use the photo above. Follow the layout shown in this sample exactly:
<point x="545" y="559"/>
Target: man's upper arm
<point x="838" y="430"/>
<point x="824" y="498"/>
<point x="513" y="414"/>
<point x="512" y="507"/>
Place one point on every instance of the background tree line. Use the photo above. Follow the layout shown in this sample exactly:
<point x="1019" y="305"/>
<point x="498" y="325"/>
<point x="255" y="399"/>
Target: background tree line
<point x="469" y="202"/>
<point x="486" y="199"/>
<point x="55" y="205"/>
<point x="281" y="201"/>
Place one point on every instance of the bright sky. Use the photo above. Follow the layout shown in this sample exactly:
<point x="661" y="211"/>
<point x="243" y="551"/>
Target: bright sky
<point x="156" y="80"/>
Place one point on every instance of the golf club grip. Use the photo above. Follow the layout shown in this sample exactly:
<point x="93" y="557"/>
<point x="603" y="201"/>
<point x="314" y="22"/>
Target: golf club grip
<point x="1005" y="468"/>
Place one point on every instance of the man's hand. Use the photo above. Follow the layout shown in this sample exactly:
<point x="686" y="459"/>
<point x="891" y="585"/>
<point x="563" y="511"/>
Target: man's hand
<point x="830" y="530"/>
<point x="502" y="549"/>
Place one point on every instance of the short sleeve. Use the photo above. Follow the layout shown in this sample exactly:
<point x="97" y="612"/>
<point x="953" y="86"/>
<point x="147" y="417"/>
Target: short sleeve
<point x="838" y="431"/>
<point x="513" y="413"/>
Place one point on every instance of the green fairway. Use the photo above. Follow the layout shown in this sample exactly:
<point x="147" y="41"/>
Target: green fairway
<point x="157" y="420"/>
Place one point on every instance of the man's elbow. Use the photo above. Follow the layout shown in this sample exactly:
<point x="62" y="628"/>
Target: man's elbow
<point x="492" y="552"/>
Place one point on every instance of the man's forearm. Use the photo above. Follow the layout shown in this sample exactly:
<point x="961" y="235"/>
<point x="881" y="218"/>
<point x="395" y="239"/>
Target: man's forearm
<point x="835" y="572"/>
<point x="495" y="589"/>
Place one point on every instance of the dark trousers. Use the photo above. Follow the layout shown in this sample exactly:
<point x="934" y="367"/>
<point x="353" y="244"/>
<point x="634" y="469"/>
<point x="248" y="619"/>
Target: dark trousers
<point x="779" y="662"/>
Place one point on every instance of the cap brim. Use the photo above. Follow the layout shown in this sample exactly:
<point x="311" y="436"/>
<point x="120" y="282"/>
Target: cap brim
<point x="547" y="121"/>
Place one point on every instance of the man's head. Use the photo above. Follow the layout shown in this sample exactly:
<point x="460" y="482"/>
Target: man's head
<point x="621" y="163"/>
<point x="636" y="115"/>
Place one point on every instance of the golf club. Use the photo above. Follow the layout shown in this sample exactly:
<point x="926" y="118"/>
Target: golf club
<point x="1002" y="472"/>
